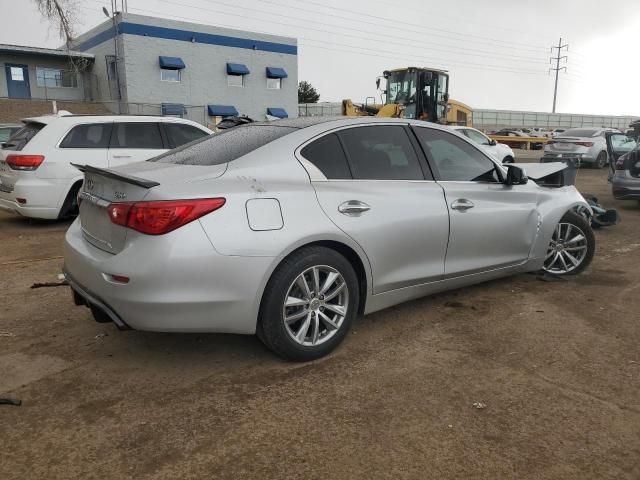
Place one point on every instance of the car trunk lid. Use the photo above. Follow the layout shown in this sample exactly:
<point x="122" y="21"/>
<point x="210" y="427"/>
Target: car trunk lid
<point x="130" y="183"/>
<point x="569" y="144"/>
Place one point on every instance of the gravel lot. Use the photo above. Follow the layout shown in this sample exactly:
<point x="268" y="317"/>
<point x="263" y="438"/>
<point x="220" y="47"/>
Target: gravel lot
<point x="557" y="365"/>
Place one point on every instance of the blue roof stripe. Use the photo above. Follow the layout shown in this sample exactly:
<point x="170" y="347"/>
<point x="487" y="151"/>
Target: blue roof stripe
<point x="188" y="36"/>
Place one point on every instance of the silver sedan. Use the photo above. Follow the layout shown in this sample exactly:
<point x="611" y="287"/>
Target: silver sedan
<point x="290" y="229"/>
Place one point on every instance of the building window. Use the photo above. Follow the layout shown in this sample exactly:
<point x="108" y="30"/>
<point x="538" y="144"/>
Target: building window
<point x="56" y="78"/>
<point x="235" y="80"/>
<point x="167" y="75"/>
<point x="274" y="83"/>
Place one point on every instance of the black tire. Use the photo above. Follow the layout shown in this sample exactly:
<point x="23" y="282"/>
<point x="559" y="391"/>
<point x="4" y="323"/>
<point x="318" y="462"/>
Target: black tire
<point x="601" y="160"/>
<point x="583" y="224"/>
<point x="271" y="326"/>
<point x="508" y="159"/>
<point x="70" y="205"/>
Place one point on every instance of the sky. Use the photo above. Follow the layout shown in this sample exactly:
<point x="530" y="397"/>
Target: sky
<point x="496" y="51"/>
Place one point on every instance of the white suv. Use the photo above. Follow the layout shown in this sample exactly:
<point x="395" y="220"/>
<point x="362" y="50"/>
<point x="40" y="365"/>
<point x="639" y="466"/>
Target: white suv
<point x="36" y="176"/>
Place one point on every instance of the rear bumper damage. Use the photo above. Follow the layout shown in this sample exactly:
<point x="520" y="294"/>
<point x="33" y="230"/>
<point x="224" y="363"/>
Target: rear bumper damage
<point x="102" y="312"/>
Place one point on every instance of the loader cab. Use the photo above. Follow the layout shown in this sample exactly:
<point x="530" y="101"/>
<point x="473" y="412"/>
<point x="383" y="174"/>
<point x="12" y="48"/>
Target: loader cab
<point x="423" y="93"/>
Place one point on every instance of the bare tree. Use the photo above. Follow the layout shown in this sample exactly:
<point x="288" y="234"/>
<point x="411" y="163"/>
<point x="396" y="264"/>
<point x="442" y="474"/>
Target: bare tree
<point x="62" y="14"/>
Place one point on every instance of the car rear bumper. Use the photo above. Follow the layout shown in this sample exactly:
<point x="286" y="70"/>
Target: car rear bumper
<point x="42" y="198"/>
<point x="625" y="187"/>
<point x="178" y="282"/>
<point x="584" y="157"/>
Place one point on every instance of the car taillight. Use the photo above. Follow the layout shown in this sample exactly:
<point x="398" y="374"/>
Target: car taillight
<point x="584" y="144"/>
<point x="620" y="164"/>
<point x="24" y="162"/>
<point x="160" y="217"/>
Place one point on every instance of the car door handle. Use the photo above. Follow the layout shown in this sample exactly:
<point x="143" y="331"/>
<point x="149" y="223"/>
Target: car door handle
<point x="462" y="204"/>
<point x="122" y="156"/>
<point x="353" y="208"/>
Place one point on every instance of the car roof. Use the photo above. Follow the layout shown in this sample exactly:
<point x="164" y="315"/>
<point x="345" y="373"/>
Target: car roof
<point x="336" y="122"/>
<point x="70" y="118"/>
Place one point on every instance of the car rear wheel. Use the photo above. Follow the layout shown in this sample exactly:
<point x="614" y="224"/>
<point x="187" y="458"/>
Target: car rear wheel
<point x="70" y="205"/>
<point x="572" y="246"/>
<point x="601" y="160"/>
<point x="309" y="304"/>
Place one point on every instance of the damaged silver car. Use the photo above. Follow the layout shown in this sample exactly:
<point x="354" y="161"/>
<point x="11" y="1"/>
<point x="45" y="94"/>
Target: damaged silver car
<point x="292" y="228"/>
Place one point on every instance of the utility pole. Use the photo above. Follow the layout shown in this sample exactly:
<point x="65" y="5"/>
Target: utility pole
<point x="557" y="68"/>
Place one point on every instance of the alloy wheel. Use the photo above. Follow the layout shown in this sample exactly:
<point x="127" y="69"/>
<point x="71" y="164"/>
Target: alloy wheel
<point x="567" y="249"/>
<point x="315" y="305"/>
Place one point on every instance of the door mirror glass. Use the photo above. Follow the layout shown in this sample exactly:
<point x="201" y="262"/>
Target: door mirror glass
<point x="515" y="176"/>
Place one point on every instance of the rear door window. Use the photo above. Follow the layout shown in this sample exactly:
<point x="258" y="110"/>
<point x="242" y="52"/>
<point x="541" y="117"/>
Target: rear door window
<point x="476" y="137"/>
<point x="327" y="155"/>
<point x="22" y="137"/>
<point x="382" y="152"/>
<point x="91" y="135"/>
<point x="179" y="133"/>
<point x="225" y="146"/>
<point x="144" y="135"/>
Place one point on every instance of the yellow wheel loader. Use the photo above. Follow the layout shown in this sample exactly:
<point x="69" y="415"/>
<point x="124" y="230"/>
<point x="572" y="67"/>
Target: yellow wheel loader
<point x="412" y="92"/>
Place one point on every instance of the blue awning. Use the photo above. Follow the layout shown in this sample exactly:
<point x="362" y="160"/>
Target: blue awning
<point x="277" y="112"/>
<point x="222" y="111"/>
<point x="237" y="69"/>
<point x="173" y="109"/>
<point x="171" y="63"/>
<point x="276" y="72"/>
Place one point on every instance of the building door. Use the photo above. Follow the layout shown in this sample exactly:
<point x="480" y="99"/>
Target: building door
<point x="17" y="81"/>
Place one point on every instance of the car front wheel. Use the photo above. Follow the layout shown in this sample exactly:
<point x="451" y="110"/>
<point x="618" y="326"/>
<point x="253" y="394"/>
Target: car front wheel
<point x="309" y="304"/>
<point x="572" y="246"/>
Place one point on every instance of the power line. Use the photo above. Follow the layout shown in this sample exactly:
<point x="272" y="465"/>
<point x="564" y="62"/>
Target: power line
<point x="431" y="45"/>
<point x="378" y="52"/>
<point x="394" y="56"/>
<point x="557" y="68"/>
<point x="403" y="23"/>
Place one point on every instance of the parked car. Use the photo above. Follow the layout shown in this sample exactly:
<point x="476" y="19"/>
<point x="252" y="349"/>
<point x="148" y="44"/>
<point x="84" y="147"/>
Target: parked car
<point x="515" y="132"/>
<point x="6" y="130"/>
<point x="36" y="176"/>
<point x="588" y="144"/>
<point x="624" y="153"/>
<point x="499" y="151"/>
<point x="292" y="228"/>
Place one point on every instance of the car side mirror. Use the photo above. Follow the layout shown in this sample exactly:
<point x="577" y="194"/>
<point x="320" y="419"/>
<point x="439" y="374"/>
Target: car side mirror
<point x="515" y="176"/>
<point x="493" y="143"/>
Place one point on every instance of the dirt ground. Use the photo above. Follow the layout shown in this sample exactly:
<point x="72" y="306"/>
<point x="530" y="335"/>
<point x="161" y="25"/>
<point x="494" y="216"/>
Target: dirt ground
<point x="557" y="365"/>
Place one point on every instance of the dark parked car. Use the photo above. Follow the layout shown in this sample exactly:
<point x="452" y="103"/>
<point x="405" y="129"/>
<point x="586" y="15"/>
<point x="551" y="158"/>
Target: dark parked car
<point x="624" y="155"/>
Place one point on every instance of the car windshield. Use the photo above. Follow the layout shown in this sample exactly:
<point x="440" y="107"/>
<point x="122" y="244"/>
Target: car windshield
<point x="622" y="144"/>
<point x="225" y="146"/>
<point x="581" y="132"/>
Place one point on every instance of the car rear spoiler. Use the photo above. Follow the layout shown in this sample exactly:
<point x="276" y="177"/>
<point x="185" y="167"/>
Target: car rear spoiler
<point x="140" y="182"/>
